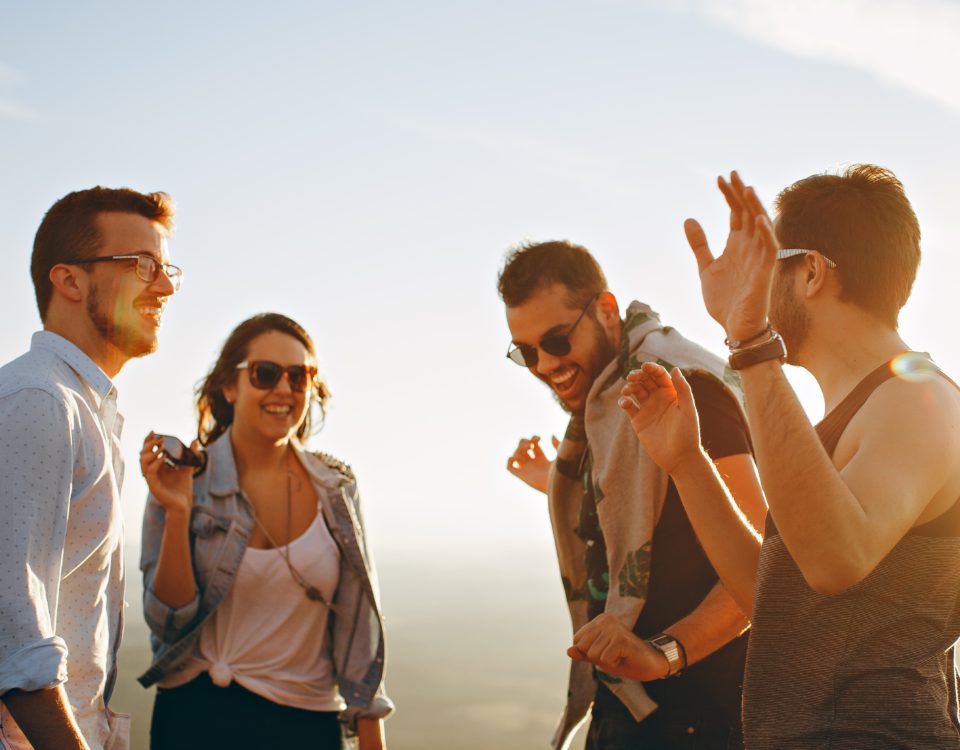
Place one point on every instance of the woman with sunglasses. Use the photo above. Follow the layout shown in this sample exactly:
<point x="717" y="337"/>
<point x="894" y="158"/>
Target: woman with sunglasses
<point x="259" y="588"/>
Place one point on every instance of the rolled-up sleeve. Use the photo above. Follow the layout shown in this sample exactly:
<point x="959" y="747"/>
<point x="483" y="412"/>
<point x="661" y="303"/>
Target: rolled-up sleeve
<point x="167" y="623"/>
<point x="36" y="480"/>
<point x="379" y="708"/>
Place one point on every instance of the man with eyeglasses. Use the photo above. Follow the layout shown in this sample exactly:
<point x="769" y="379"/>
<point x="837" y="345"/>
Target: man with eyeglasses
<point x="102" y="279"/>
<point x="854" y="588"/>
<point x="642" y="596"/>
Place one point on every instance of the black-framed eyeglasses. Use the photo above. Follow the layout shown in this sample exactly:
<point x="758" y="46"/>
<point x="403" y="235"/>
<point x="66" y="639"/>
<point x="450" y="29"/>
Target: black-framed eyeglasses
<point x="557" y="344"/>
<point x="148" y="267"/>
<point x="265" y="375"/>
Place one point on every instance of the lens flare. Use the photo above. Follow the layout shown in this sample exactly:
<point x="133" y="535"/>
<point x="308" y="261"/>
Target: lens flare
<point x="913" y="366"/>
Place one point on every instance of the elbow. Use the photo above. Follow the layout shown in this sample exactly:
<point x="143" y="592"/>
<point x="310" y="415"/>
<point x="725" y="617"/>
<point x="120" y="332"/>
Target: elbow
<point x="167" y="623"/>
<point x="834" y="576"/>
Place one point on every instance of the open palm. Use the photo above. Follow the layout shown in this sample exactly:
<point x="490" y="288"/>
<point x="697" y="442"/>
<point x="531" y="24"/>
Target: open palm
<point x="662" y="413"/>
<point x="736" y="285"/>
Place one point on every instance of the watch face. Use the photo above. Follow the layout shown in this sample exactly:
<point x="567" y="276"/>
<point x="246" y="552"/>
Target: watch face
<point x="670" y="648"/>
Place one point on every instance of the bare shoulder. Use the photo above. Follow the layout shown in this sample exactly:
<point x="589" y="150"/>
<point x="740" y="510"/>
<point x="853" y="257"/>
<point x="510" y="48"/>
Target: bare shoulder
<point x="908" y="432"/>
<point x="902" y="410"/>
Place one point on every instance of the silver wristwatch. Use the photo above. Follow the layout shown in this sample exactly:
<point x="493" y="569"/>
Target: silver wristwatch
<point x="671" y="648"/>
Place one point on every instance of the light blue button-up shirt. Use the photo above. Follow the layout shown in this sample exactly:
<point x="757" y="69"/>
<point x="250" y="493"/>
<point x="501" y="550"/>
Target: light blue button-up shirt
<point x="61" y="535"/>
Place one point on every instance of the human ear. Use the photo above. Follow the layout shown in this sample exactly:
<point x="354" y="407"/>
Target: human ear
<point x="816" y="271"/>
<point x="66" y="282"/>
<point x="607" y="307"/>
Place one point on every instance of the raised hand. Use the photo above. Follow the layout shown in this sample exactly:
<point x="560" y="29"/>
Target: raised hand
<point x="662" y="413"/>
<point x="172" y="487"/>
<point x="530" y="464"/>
<point x="610" y="645"/>
<point x="736" y="285"/>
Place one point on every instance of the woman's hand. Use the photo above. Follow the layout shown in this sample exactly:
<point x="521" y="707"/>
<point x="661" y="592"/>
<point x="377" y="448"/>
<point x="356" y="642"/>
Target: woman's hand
<point x="172" y="487"/>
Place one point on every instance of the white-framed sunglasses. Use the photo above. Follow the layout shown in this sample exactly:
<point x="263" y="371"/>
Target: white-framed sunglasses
<point x="790" y="252"/>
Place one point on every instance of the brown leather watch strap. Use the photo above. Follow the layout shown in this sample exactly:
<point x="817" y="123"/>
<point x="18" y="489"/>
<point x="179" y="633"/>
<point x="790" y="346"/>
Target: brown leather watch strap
<point x="772" y="348"/>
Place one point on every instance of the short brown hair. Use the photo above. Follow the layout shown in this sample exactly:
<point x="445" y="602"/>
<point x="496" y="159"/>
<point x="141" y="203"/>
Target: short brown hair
<point x="69" y="229"/>
<point x="214" y="411"/>
<point x="860" y="219"/>
<point x="530" y="267"/>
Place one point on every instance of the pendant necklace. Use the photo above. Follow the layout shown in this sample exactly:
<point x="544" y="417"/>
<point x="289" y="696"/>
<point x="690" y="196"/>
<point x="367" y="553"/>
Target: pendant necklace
<point x="312" y="592"/>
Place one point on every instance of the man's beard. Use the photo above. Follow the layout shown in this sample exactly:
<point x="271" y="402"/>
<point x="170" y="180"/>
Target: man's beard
<point x="603" y="352"/>
<point x="127" y="339"/>
<point x="788" y="316"/>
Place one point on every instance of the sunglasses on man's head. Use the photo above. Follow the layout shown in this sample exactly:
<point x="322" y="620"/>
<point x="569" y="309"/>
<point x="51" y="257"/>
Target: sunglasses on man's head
<point x="265" y="375"/>
<point x="556" y="344"/>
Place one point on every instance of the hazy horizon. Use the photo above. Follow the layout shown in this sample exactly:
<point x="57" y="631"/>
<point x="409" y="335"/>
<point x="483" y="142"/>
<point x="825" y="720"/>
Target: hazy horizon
<point x="363" y="167"/>
<point x="467" y="672"/>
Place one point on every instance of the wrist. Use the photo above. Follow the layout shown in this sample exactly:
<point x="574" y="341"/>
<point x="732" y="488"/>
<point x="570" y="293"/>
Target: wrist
<point x="769" y="346"/>
<point x="688" y="462"/>
<point x="673" y="652"/>
<point x="738" y="341"/>
<point x="176" y="514"/>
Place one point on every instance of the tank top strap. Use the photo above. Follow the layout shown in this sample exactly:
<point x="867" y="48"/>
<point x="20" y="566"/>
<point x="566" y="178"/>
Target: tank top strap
<point x="831" y="427"/>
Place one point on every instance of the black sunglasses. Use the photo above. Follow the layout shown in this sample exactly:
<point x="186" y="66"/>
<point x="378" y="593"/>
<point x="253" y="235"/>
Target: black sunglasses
<point x="557" y="344"/>
<point x="265" y="375"/>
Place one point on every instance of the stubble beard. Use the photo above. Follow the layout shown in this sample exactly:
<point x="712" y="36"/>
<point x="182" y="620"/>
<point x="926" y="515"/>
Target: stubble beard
<point x="603" y="352"/>
<point x="788" y="316"/>
<point x="127" y="339"/>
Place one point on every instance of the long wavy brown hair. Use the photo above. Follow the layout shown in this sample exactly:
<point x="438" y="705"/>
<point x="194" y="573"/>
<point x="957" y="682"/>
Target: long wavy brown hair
<point x="215" y="412"/>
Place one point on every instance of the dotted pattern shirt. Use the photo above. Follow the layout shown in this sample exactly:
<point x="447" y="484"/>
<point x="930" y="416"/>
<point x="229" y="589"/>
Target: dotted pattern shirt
<point x="61" y="556"/>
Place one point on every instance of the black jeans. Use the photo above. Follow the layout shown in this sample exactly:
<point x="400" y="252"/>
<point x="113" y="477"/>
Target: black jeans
<point x="612" y="727"/>
<point x="202" y="716"/>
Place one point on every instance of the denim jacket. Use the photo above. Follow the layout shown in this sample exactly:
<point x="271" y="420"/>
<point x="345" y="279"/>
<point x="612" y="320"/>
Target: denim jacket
<point x="220" y="527"/>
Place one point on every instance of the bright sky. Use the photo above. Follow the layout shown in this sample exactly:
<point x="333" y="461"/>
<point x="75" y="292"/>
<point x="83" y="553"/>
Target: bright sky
<point x="363" y="167"/>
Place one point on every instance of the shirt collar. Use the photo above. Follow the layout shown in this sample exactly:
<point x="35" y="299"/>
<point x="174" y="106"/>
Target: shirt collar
<point x="223" y="467"/>
<point x="78" y="361"/>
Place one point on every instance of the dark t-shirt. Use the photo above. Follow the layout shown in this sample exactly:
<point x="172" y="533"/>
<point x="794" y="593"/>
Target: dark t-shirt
<point x="680" y="574"/>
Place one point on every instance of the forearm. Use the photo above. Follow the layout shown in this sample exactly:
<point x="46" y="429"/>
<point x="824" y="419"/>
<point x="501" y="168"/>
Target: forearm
<point x="173" y="581"/>
<point x="819" y="519"/>
<point x="726" y="535"/>
<point x="370" y="734"/>
<point x="712" y="625"/>
<point x="45" y="718"/>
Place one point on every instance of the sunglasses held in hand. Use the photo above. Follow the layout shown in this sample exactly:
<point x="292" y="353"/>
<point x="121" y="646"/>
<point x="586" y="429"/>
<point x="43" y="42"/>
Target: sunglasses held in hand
<point x="177" y="454"/>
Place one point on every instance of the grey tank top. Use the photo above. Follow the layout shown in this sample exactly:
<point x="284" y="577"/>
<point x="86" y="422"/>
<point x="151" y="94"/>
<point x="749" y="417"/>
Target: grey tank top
<point x="871" y="667"/>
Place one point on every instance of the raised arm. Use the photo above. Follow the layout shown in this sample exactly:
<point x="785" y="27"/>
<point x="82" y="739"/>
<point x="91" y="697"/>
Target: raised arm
<point x="719" y="617"/>
<point x="529" y="463"/>
<point x="170" y="590"/>
<point x="838" y="521"/>
<point x="663" y="415"/>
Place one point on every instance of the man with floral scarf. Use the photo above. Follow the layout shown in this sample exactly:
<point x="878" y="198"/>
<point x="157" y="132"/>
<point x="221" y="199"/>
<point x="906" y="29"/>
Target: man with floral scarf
<point x="643" y="598"/>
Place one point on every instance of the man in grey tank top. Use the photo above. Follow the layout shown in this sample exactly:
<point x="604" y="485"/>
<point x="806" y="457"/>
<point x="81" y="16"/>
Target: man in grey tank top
<point x="854" y="589"/>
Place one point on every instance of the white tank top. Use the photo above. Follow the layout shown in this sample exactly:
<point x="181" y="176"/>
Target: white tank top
<point x="267" y="635"/>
